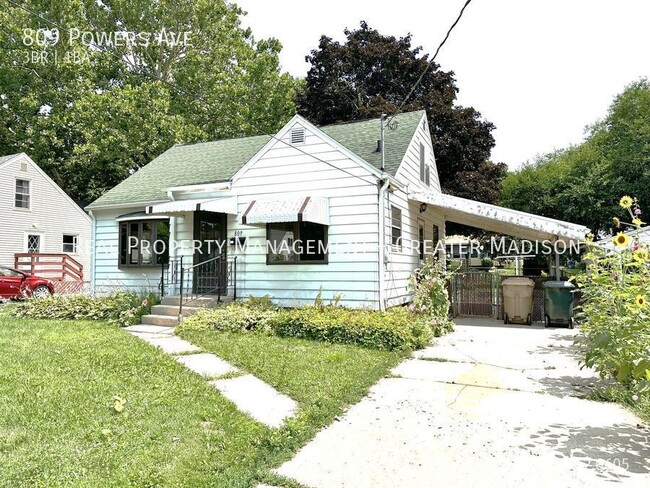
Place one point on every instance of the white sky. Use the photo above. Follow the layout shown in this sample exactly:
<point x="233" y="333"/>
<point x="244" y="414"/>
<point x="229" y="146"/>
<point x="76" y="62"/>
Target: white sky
<point x="539" y="70"/>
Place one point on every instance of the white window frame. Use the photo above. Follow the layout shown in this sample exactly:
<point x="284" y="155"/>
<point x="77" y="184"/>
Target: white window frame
<point x="41" y="241"/>
<point x="29" y="195"/>
<point x="75" y="243"/>
<point x="396" y="246"/>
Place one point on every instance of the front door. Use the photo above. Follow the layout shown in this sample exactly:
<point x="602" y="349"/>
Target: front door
<point x="210" y="274"/>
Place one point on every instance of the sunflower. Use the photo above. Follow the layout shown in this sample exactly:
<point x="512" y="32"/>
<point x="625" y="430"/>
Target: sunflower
<point x="640" y="301"/>
<point x="621" y="240"/>
<point x="637" y="221"/>
<point x="626" y="202"/>
<point x="641" y="255"/>
<point x="616" y="222"/>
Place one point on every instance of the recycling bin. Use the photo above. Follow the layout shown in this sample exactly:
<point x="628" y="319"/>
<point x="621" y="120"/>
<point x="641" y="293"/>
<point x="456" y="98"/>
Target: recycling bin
<point x="558" y="303"/>
<point x="518" y="300"/>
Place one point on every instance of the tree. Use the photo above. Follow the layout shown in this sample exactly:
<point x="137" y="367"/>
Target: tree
<point x="370" y="74"/>
<point x="91" y="115"/>
<point x="584" y="183"/>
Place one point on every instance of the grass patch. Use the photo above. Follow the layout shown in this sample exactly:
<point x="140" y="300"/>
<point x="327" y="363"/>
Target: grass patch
<point x="59" y="428"/>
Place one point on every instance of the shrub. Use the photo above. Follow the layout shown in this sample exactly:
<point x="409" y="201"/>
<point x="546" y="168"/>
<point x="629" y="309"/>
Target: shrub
<point x="397" y="328"/>
<point x="614" y="311"/>
<point x="121" y="308"/>
<point x="430" y="295"/>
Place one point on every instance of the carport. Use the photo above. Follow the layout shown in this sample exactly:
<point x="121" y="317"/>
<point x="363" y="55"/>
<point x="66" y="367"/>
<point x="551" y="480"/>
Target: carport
<point x="480" y="292"/>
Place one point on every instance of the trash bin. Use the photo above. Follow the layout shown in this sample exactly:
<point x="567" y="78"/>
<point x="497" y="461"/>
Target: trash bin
<point x="558" y="303"/>
<point x="518" y="300"/>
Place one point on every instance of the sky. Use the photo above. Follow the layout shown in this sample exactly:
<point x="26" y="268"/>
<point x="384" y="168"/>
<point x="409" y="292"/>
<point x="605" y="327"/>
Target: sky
<point x="540" y="70"/>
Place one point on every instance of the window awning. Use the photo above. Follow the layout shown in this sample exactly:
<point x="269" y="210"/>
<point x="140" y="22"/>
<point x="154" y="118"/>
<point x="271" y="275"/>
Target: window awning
<point x="500" y="219"/>
<point x="226" y="205"/>
<point x="140" y="216"/>
<point x="302" y="209"/>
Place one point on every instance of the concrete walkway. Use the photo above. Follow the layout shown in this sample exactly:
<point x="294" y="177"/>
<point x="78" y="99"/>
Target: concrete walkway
<point x="485" y="406"/>
<point x="250" y="394"/>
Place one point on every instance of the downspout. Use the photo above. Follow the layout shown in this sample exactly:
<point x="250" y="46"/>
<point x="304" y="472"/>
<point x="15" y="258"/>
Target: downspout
<point x="382" y="242"/>
<point x="382" y="219"/>
<point x="93" y="251"/>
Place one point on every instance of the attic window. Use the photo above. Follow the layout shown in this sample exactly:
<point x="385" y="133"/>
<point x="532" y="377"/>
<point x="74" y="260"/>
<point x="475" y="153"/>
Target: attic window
<point x="422" y="164"/>
<point x="23" y="167"/>
<point x="298" y="135"/>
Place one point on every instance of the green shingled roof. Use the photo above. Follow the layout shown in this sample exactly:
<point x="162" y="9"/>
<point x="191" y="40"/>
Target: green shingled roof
<point x="210" y="162"/>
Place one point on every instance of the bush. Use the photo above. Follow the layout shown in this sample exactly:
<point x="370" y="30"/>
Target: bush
<point x="121" y="308"/>
<point x="614" y="310"/>
<point x="397" y="328"/>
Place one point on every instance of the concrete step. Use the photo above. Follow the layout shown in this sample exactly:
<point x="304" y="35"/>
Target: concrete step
<point x="206" y="301"/>
<point x="172" y="310"/>
<point x="164" y="320"/>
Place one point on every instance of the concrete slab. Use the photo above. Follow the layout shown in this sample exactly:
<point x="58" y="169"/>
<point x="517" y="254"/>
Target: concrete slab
<point x="260" y="400"/>
<point x="169" y="344"/>
<point x="462" y="424"/>
<point x="207" y="365"/>
<point x="149" y="329"/>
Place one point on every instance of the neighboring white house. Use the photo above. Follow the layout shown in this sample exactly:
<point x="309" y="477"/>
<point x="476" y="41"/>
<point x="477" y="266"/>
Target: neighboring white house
<point x="39" y="219"/>
<point x="366" y="209"/>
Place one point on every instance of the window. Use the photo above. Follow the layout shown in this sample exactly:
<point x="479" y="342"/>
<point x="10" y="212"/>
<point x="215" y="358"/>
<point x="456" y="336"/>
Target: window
<point x="427" y="177"/>
<point x="296" y="243"/>
<point x="33" y="243"/>
<point x="421" y="239"/>
<point x="70" y="244"/>
<point x="144" y="243"/>
<point x="396" y="226"/>
<point x="297" y="135"/>
<point x="22" y="194"/>
<point x="436" y="239"/>
<point x="423" y="165"/>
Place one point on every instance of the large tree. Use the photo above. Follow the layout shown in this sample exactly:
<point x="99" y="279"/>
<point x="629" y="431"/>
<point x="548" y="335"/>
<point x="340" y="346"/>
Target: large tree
<point x="371" y="73"/>
<point x="584" y="183"/>
<point x="90" y="115"/>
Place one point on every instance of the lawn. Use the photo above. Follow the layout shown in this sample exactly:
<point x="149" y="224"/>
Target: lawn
<point x="58" y="426"/>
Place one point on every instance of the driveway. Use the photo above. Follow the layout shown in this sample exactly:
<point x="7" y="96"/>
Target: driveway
<point x="489" y="405"/>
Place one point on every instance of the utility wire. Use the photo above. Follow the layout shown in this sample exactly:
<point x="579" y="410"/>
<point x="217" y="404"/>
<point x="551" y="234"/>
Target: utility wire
<point x="198" y="97"/>
<point x="430" y="64"/>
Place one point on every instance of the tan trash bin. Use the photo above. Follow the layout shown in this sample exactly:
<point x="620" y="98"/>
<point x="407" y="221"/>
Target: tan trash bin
<point x="518" y="300"/>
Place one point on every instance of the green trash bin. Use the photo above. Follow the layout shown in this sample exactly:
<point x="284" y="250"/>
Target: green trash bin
<point x="558" y="303"/>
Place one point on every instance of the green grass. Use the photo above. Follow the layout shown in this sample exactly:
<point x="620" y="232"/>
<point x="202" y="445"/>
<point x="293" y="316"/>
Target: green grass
<point x="58" y="378"/>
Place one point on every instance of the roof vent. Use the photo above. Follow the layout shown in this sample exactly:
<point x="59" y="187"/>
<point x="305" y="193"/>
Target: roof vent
<point x="298" y="135"/>
<point x="23" y="167"/>
<point x="378" y="150"/>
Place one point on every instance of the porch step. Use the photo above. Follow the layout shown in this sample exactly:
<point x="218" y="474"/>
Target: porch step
<point x="165" y="320"/>
<point x="206" y="301"/>
<point x="172" y="310"/>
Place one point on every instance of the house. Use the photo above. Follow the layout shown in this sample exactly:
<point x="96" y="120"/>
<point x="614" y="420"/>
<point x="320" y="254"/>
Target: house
<point x="364" y="210"/>
<point x="44" y="231"/>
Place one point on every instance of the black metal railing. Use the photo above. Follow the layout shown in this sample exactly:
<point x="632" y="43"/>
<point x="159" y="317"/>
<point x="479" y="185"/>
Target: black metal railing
<point x="215" y="277"/>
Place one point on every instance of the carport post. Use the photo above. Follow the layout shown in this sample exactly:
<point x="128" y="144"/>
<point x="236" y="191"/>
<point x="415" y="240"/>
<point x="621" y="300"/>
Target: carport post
<point x="557" y="265"/>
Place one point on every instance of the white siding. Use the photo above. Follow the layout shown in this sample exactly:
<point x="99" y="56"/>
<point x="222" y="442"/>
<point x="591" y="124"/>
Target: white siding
<point x="285" y="172"/>
<point x="401" y="264"/>
<point x="52" y="215"/>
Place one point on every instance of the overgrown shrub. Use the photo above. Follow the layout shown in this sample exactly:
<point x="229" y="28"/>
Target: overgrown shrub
<point x="430" y="295"/>
<point x="121" y="308"/>
<point x="614" y="310"/>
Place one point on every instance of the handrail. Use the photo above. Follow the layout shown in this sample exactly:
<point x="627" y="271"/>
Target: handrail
<point x="64" y="265"/>
<point x="213" y="276"/>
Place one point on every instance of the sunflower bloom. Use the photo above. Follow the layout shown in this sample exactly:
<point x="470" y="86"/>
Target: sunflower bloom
<point x="621" y="240"/>
<point x="640" y="301"/>
<point x="616" y="222"/>
<point x="637" y="221"/>
<point x="641" y="255"/>
<point x="626" y="202"/>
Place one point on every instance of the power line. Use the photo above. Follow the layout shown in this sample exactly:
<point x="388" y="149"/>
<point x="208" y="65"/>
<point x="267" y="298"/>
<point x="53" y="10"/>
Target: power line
<point x="430" y="64"/>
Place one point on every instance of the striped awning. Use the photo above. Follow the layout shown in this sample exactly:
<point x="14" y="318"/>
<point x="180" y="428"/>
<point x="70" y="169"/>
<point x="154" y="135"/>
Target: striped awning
<point x="226" y="205"/>
<point x="302" y="209"/>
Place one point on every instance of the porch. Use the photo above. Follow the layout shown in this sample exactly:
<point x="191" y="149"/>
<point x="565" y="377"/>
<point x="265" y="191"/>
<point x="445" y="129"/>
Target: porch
<point x="65" y="272"/>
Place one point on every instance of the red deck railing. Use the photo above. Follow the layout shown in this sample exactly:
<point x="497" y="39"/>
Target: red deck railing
<point x="55" y="267"/>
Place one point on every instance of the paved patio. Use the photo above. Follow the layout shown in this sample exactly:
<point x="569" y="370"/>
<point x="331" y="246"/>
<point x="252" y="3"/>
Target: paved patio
<point x="489" y="405"/>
